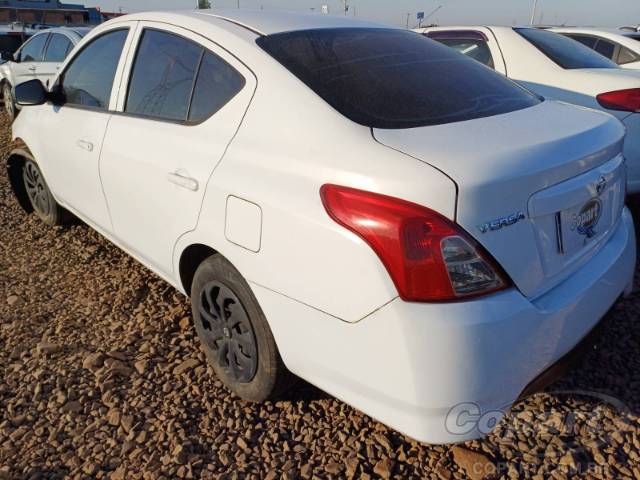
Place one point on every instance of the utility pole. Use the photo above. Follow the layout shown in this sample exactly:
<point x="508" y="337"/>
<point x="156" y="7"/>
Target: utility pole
<point x="408" y="16"/>
<point x="345" y="4"/>
<point x="533" y="12"/>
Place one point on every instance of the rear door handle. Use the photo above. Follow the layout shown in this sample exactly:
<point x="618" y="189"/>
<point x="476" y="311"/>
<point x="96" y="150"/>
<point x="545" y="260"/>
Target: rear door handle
<point x="85" y="145"/>
<point x="183" y="181"/>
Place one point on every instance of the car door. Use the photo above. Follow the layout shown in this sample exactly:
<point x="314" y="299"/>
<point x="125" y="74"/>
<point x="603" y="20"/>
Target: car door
<point x="27" y="58"/>
<point x="73" y="131"/>
<point x="185" y="100"/>
<point x="58" y="47"/>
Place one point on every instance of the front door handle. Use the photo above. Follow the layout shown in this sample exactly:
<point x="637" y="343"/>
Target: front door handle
<point x="184" y="181"/>
<point x="85" y="145"/>
<point x="32" y="68"/>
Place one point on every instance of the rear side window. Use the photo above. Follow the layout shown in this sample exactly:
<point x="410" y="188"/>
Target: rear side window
<point x="163" y="76"/>
<point x="33" y="50"/>
<point x="565" y="52"/>
<point x="386" y="78"/>
<point x="218" y="82"/>
<point x="627" y="56"/>
<point x="605" y="48"/>
<point x="59" y="47"/>
<point x="476" y="49"/>
<point x="89" y="78"/>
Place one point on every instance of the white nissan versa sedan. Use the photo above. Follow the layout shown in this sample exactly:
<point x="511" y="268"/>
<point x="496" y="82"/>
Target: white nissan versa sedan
<point x="557" y="67"/>
<point x="356" y="204"/>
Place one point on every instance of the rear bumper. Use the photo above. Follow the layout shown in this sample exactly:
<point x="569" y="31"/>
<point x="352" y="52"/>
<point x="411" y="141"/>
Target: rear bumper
<point x="436" y="371"/>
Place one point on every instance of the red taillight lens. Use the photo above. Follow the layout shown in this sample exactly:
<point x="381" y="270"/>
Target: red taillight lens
<point x="625" y="100"/>
<point x="428" y="257"/>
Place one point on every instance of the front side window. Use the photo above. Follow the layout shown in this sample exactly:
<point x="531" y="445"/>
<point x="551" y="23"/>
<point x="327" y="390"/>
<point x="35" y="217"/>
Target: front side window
<point x="163" y="76"/>
<point x="565" y="52"/>
<point x="59" y="47"/>
<point x="33" y="50"/>
<point x="88" y="80"/>
<point x="388" y="78"/>
<point x="586" y="40"/>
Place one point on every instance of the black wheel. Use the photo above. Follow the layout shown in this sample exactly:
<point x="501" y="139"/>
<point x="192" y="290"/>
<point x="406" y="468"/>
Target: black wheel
<point x="235" y="334"/>
<point x="42" y="201"/>
<point x="9" y="104"/>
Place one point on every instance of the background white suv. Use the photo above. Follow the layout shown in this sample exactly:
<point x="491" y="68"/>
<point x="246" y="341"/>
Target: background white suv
<point x="40" y="57"/>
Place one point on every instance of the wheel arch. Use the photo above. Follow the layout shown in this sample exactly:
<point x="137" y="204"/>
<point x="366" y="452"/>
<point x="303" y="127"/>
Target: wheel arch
<point x="14" y="163"/>
<point x="190" y="260"/>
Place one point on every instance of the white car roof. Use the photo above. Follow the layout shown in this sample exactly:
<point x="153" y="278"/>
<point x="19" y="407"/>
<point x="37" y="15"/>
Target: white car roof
<point x="262" y="22"/>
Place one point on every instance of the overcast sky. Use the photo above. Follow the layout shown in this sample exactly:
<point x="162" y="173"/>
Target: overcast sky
<point x="609" y="13"/>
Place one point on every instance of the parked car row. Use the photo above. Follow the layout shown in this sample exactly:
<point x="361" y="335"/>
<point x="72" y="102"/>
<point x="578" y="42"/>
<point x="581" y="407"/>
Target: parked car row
<point x="355" y="204"/>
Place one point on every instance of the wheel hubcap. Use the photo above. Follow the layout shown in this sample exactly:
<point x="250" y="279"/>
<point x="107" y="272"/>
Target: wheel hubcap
<point x="228" y="332"/>
<point x="36" y="189"/>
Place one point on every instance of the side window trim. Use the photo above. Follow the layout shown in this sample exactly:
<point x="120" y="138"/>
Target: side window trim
<point x="194" y="83"/>
<point x="130" y="27"/>
<point x="46" y="47"/>
<point x="174" y="30"/>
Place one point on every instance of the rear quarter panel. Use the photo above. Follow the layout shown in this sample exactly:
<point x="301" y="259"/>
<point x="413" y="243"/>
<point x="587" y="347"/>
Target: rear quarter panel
<point x="290" y="144"/>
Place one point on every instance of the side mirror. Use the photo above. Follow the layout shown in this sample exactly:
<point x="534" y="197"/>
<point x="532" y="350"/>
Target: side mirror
<point x="31" y="93"/>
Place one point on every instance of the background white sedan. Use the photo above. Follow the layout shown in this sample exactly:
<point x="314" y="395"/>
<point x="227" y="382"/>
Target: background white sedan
<point x="556" y="67"/>
<point x="620" y="46"/>
<point x="40" y="57"/>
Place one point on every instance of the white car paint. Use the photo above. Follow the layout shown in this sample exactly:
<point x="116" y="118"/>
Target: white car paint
<point x="250" y="189"/>
<point x="620" y="38"/>
<point x="521" y="61"/>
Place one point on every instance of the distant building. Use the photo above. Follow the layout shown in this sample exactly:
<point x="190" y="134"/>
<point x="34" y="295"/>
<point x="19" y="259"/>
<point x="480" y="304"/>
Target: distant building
<point x="109" y="15"/>
<point x="47" y="12"/>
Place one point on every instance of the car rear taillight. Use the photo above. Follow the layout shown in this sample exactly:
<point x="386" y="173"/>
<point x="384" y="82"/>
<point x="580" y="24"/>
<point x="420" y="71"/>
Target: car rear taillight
<point x="625" y="100"/>
<point x="429" y="257"/>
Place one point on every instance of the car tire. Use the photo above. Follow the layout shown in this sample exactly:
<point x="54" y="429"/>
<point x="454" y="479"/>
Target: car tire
<point x="9" y="103"/>
<point x="43" y="203"/>
<point x="234" y="333"/>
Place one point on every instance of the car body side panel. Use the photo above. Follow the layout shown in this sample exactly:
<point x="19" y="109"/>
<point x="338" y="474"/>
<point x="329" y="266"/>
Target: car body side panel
<point x="290" y="144"/>
<point x="143" y="158"/>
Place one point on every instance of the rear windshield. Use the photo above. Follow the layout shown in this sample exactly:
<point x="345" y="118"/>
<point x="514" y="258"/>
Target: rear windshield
<point x="384" y="78"/>
<point x="566" y="52"/>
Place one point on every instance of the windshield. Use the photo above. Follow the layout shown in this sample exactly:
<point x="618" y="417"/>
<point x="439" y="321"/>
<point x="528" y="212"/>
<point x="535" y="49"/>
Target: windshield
<point x="564" y="51"/>
<point x="384" y="78"/>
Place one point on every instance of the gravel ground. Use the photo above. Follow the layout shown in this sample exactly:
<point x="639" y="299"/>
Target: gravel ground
<point x="102" y="377"/>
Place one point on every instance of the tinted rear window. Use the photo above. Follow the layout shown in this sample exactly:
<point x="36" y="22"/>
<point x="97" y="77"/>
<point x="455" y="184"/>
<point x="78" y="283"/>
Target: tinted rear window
<point x="567" y="53"/>
<point x="394" y="78"/>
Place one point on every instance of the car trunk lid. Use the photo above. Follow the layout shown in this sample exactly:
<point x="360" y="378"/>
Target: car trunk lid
<point x="541" y="188"/>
